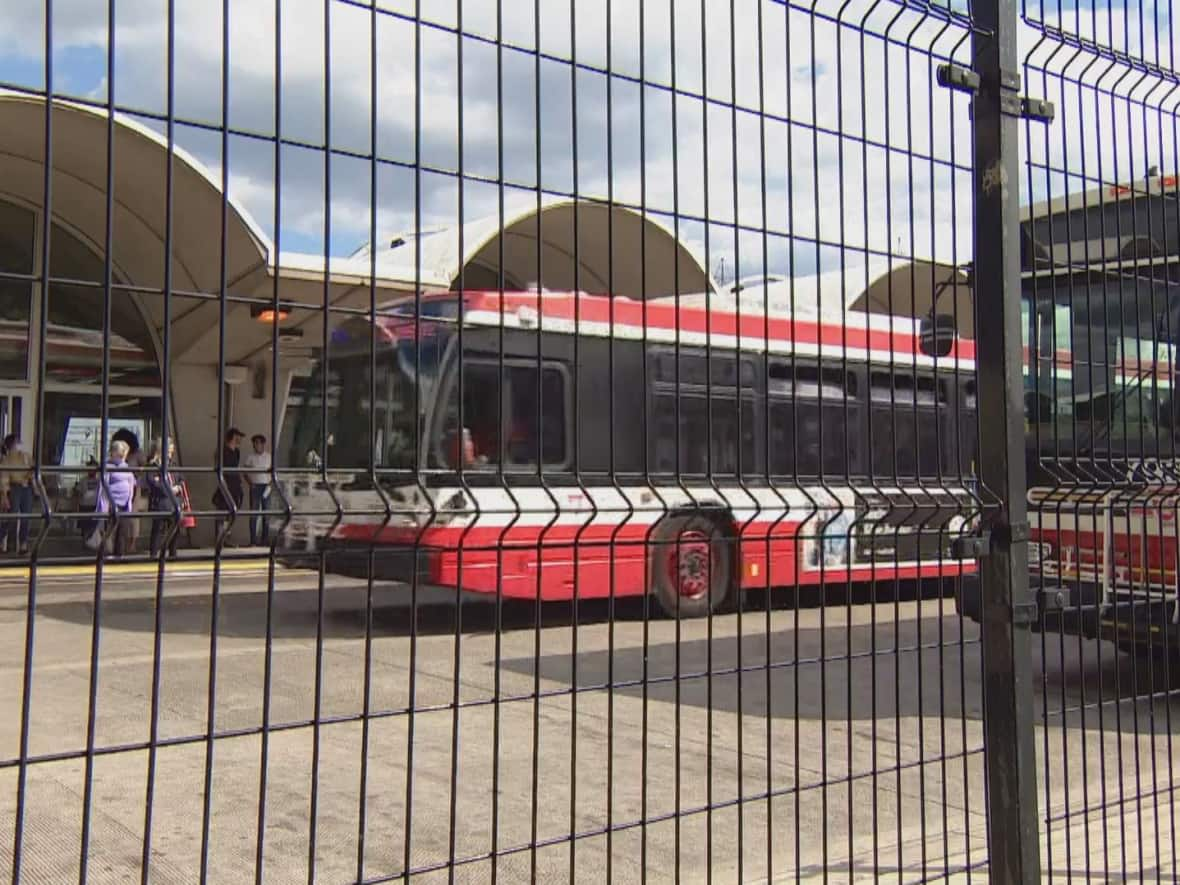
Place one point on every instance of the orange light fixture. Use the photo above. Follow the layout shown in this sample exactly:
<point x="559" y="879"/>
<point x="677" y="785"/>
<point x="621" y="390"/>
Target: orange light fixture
<point x="267" y="314"/>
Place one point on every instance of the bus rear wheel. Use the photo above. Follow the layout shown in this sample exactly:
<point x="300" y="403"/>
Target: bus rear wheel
<point x="690" y="567"/>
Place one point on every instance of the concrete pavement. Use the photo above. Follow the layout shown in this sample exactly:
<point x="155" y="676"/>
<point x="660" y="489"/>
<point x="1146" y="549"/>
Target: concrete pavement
<point x="844" y="739"/>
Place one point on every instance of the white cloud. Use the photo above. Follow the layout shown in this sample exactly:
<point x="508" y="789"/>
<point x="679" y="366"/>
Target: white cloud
<point x="855" y="146"/>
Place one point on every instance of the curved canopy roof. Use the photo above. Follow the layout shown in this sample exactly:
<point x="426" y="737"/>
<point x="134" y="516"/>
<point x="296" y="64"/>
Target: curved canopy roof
<point x="561" y="244"/>
<point x="134" y="182"/>
<point x="911" y="289"/>
<point x="138" y="192"/>
<point x="882" y="286"/>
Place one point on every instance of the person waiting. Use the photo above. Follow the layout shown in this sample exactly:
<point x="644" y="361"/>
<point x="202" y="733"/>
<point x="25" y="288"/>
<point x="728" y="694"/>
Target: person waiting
<point x="117" y="494"/>
<point x="257" y="465"/>
<point x="16" y="493"/>
<point x="231" y="458"/>
<point x="136" y="458"/>
<point x="160" y="483"/>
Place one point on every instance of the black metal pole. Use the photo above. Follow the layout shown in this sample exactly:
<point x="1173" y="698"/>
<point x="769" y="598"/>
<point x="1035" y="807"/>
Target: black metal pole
<point x="1012" y="820"/>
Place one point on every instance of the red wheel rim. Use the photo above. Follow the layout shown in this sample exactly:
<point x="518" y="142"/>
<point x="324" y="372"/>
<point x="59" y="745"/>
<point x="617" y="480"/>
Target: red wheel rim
<point x="688" y="565"/>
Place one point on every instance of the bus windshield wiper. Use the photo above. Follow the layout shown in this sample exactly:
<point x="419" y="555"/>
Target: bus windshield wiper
<point x="1135" y="382"/>
<point x="1102" y="430"/>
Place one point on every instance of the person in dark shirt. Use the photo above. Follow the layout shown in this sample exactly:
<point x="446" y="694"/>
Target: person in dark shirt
<point x="231" y="459"/>
<point x="164" y="484"/>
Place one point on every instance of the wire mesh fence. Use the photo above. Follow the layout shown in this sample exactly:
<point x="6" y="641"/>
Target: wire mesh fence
<point x="1099" y="294"/>
<point x="497" y="441"/>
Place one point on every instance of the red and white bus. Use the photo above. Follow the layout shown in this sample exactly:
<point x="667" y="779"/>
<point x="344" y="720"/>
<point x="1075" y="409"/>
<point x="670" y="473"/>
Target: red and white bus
<point x="566" y="444"/>
<point x="1102" y="428"/>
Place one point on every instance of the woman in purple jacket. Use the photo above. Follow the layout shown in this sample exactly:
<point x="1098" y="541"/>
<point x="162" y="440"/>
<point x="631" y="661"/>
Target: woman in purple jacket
<point x="119" y="493"/>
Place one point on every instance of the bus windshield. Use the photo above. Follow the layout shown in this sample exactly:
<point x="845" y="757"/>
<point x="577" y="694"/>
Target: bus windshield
<point x="358" y="434"/>
<point x="1099" y="369"/>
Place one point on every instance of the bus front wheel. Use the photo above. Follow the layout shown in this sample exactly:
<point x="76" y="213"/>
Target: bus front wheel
<point x="691" y="566"/>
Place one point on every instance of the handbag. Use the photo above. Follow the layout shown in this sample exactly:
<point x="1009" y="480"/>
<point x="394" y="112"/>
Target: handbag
<point x="95" y="540"/>
<point x="187" y="520"/>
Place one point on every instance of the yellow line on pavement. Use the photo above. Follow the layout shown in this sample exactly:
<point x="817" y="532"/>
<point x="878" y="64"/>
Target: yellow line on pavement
<point x="135" y="568"/>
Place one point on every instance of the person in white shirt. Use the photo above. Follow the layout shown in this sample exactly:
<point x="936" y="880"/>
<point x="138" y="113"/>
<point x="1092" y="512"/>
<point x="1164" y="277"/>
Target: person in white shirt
<point x="257" y="466"/>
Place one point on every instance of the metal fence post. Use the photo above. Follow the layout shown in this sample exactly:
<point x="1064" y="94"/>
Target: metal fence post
<point x="1012" y="819"/>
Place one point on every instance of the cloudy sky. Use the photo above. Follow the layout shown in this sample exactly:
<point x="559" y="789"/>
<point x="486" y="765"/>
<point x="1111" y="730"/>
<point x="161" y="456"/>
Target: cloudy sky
<point x="826" y="142"/>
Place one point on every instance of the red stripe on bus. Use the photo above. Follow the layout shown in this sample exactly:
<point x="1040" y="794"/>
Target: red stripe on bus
<point x="668" y="316"/>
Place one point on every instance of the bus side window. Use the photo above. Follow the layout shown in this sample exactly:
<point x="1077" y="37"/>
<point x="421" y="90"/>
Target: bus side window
<point x="694" y="435"/>
<point x="529" y="425"/>
<point x="535" y="423"/>
<point x="965" y="407"/>
<point x="1166" y="415"/>
<point x="905" y="424"/>
<point x="735" y="442"/>
<point x="479" y="445"/>
<point x="680" y="442"/>
<point x="781" y="453"/>
<point x="712" y="441"/>
<point x="662" y="434"/>
<point x="475" y="442"/>
<point x="810" y="414"/>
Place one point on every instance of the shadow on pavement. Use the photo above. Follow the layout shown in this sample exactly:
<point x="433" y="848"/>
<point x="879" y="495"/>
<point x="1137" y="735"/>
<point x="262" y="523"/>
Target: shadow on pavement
<point x="398" y="609"/>
<point x="904" y="667"/>
<point x="917" y="668"/>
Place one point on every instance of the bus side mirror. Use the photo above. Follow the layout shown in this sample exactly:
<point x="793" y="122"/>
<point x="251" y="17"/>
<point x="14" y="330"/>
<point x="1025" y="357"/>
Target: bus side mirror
<point x="936" y="334"/>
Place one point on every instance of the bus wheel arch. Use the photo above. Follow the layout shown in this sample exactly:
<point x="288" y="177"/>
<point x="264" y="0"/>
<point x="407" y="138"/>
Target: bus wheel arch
<point x="692" y="561"/>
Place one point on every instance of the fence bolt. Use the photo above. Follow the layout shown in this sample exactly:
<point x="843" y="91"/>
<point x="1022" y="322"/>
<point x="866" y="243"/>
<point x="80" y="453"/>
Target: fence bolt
<point x="958" y="78"/>
<point x="1037" y="109"/>
<point x="961" y="79"/>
